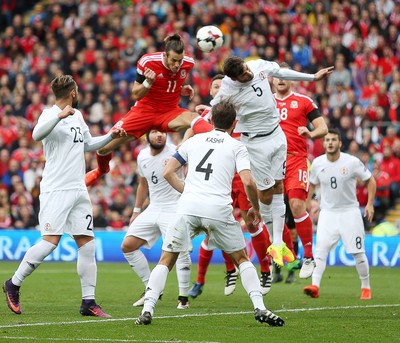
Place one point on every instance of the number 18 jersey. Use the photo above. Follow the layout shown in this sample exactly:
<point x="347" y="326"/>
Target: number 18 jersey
<point x="212" y="158"/>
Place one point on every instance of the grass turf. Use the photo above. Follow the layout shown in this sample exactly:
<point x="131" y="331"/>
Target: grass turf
<point x="50" y="300"/>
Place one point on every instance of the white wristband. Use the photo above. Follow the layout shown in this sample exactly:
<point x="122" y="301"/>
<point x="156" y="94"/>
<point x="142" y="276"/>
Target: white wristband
<point x="146" y="84"/>
<point x="137" y="210"/>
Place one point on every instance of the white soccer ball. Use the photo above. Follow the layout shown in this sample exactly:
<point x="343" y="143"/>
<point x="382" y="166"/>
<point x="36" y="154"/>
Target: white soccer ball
<point x="209" y="38"/>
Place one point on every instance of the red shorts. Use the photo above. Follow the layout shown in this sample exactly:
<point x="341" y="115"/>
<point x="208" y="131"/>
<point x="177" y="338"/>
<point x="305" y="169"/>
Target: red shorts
<point x="239" y="195"/>
<point x="141" y="119"/>
<point x="296" y="177"/>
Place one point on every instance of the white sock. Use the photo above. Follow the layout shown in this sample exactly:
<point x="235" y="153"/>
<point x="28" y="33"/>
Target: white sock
<point x="183" y="264"/>
<point x="278" y="218"/>
<point x="250" y="282"/>
<point x="155" y="286"/>
<point x="139" y="264"/>
<point x="32" y="259"/>
<point x="362" y="267"/>
<point x="320" y="265"/>
<point x="87" y="269"/>
<point x="266" y="214"/>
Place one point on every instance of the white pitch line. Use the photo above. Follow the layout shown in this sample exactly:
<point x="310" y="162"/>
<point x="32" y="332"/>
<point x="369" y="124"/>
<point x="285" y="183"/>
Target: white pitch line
<point x="102" y="321"/>
<point x="99" y="340"/>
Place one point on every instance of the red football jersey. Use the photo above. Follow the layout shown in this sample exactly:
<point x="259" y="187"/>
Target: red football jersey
<point x="295" y="111"/>
<point x="165" y="92"/>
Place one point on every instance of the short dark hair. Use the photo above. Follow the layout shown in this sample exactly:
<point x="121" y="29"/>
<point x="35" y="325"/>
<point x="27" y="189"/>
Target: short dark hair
<point x="217" y="77"/>
<point x="62" y="85"/>
<point x="335" y="131"/>
<point x="174" y="43"/>
<point x="234" y="66"/>
<point x="223" y="114"/>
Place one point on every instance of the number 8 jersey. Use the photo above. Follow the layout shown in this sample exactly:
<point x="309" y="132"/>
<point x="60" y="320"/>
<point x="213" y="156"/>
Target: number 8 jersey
<point x="338" y="180"/>
<point x="212" y="158"/>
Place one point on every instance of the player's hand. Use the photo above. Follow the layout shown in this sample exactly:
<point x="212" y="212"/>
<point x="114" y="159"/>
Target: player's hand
<point x="201" y="108"/>
<point x="187" y="90"/>
<point x="66" y="112"/>
<point x="116" y="133"/>
<point x="320" y="74"/>
<point x="304" y="132"/>
<point x="150" y="75"/>
<point x="369" y="212"/>
<point x="254" y="216"/>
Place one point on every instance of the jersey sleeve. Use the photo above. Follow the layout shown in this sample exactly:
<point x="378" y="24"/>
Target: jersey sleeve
<point x="242" y="158"/>
<point x="313" y="173"/>
<point x="269" y="67"/>
<point x="361" y="170"/>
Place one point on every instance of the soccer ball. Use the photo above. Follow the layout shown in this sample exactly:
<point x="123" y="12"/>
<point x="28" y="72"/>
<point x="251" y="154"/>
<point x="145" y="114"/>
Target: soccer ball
<point x="209" y="38"/>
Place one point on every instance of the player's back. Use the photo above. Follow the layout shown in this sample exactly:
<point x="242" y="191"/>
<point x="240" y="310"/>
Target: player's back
<point x="212" y="160"/>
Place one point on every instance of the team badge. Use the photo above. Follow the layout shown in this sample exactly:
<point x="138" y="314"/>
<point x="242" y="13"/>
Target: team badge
<point x="262" y="76"/>
<point x="267" y="181"/>
<point x="47" y="227"/>
<point x="165" y="162"/>
<point x="294" y="104"/>
<point x="183" y="74"/>
<point x="344" y="171"/>
<point x="119" y="124"/>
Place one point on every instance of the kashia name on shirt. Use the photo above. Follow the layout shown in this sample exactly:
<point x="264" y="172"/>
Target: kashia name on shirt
<point x="214" y="140"/>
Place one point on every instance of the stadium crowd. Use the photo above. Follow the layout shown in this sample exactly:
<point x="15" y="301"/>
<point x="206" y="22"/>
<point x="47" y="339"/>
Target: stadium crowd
<point x="99" y="43"/>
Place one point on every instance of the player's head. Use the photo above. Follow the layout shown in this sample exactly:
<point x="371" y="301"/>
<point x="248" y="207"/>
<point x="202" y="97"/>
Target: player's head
<point x="236" y="68"/>
<point x="223" y="115"/>
<point x="156" y="139"/>
<point x="282" y="87"/>
<point x="63" y="87"/>
<point x="216" y="84"/>
<point x="174" y="52"/>
<point x="332" y="141"/>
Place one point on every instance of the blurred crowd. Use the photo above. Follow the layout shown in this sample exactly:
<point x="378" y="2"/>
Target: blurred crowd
<point x="99" y="43"/>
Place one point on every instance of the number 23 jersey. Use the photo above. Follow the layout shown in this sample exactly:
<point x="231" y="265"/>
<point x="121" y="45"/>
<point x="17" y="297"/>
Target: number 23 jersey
<point x="212" y="158"/>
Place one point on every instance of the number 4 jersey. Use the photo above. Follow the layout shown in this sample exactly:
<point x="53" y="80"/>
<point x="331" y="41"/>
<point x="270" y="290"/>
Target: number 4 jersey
<point x="212" y="158"/>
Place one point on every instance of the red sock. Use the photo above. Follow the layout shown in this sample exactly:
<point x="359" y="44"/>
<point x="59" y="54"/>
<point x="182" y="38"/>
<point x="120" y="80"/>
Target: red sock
<point x="91" y="177"/>
<point x="103" y="162"/>
<point x="304" y="230"/>
<point x="204" y="260"/>
<point x="260" y="244"/>
<point x="230" y="266"/>
<point x="201" y="126"/>
<point x="287" y="238"/>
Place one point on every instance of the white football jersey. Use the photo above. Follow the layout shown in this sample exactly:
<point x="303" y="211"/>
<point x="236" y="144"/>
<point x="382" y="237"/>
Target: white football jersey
<point x="254" y="102"/>
<point x="338" y="180"/>
<point x="63" y="150"/>
<point x="161" y="193"/>
<point x="213" y="158"/>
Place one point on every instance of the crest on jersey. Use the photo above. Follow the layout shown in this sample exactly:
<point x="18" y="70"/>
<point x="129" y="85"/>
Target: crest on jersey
<point x="164" y="163"/>
<point x="47" y="227"/>
<point x="344" y="171"/>
<point x="267" y="181"/>
<point x="119" y="124"/>
<point x="262" y="76"/>
<point x="294" y="104"/>
<point x="183" y="74"/>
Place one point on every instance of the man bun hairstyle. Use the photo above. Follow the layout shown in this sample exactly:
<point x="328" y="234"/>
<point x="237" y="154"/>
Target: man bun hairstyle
<point x="174" y="43"/>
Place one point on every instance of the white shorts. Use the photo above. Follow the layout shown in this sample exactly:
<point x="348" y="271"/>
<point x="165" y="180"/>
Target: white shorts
<point x="150" y="225"/>
<point x="267" y="157"/>
<point x="227" y="236"/>
<point x="66" y="212"/>
<point x="346" y="225"/>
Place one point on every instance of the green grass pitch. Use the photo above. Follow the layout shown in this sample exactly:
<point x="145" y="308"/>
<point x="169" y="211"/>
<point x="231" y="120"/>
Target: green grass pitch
<point x="50" y="300"/>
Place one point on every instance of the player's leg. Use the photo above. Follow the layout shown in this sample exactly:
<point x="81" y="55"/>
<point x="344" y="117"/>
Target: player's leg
<point x="352" y="234"/>
<point x="183" y="265"/>
<point x="205" y="255"/>
<point x="186" y="119"/>
<point x="31" y="261"/>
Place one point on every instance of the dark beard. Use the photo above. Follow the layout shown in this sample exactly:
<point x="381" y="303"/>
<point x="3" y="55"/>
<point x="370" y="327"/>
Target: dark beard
<point x="157" y="147"/>
<point x="75" y="103"/>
